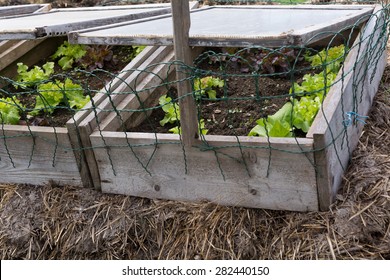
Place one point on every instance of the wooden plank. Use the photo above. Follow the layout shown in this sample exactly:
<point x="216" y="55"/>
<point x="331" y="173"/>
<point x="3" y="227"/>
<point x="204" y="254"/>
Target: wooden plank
<point x="85" y="121"/>
<point x="23" y="9"/>
<point x="188" y="114"/>
<point x="16" y="49"/>
<point x="5" y="45"/>
<point x="79" y="127"/>
<point x="354" y="93"/>
<point x="38" y="53"/>
<point x="148" y="87"/>
<point x="44" y="8"/>
<point x="38" y="157"/>
<point x="224" y="179"/>
<point x="113" y="93"/>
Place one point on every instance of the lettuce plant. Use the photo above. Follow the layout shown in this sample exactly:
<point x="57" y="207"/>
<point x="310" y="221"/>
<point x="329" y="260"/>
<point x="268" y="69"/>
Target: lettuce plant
<point x="68" y="54"/>
<point x="314" y="84"/>
<point x="9" y="111"/>
<point x="172" y="115"/>
<point x="171" y="109"/>
<point x="304" y="111"/>
<point x="31" y="77"/>
<point x="96" y="57"/>
<point x="330" y="59"/>
<point x="208" y="85"/>
<point x="276" y="125"/>
<point x="52" y="94"/>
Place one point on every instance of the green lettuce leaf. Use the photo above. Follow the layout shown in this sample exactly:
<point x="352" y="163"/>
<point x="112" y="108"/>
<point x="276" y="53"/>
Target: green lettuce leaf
<point x="50" y="96"/>
<point x="9" y="111"/>
<point x="276" y="125"/>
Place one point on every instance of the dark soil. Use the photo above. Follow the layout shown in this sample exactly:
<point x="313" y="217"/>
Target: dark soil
<point x="242" y="101"/>
<point x="91" y="81"/>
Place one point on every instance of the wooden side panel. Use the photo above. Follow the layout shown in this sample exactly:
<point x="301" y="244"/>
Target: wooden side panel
<point x="23" y="9"/>
<point x="333" y="140"/>
<point x="88" y="119"/>
<point x="39" y="157"/>
<point x="42" y="50"/>
<point x="4" y="45"/>
<point x="149" y="87"/>
<point x="227" y="177"/>
<point x="83" y="123"/>
<point x="14" y="50"/>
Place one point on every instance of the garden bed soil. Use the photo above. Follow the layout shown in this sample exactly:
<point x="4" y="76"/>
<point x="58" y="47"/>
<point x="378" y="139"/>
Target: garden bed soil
<point x="237" y="114"/>
<point x="91" y="81"/>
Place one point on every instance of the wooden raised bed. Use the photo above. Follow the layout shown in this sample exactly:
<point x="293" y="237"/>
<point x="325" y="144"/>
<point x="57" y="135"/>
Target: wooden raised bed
<point x="38" y="155"/>
<point x="86" y="121"/>
<point x="304" y="174"/>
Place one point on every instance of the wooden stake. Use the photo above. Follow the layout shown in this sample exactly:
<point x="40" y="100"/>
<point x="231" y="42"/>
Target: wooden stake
<point x="181" y="28"/>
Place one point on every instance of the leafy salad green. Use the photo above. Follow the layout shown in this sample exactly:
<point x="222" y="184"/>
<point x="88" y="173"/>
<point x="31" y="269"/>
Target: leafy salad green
<point x="306" y="97"/>
<point x="53" y="92"/>
<point x="172" y="115"/>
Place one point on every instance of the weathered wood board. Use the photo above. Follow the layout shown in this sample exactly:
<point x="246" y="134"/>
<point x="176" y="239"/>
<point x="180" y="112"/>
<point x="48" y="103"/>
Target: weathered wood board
<point x="12" y="50"/>
<point x="221" y="179"/>
<point x="112" y="95"/>
<point x="23" y="9"/>
<point x="353" y="93"/>
<point x="37" y="156"/>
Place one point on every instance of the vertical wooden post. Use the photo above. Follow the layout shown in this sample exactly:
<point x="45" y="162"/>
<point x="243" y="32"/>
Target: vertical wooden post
<point x="181" y="28"/>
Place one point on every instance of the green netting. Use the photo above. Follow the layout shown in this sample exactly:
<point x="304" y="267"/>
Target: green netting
<point x="231" y="89"/>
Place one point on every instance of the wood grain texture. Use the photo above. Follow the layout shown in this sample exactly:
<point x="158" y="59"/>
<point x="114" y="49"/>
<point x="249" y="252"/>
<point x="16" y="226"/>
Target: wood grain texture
<point x="148" y="87"/>
<point x="49" y="151"/>
<point x="14" y="50"/>
<point x="222" y="179"/>
<point x="188" y="114"/>
<point x="41" y="51"/>
<point x="24" y="9"/>
<point x="354" y="93"/>
<point x="84" y="121"/>
<point x="95" y="112"/>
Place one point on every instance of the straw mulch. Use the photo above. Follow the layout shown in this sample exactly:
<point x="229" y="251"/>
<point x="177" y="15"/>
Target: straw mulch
<point x="53" y="222"/>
